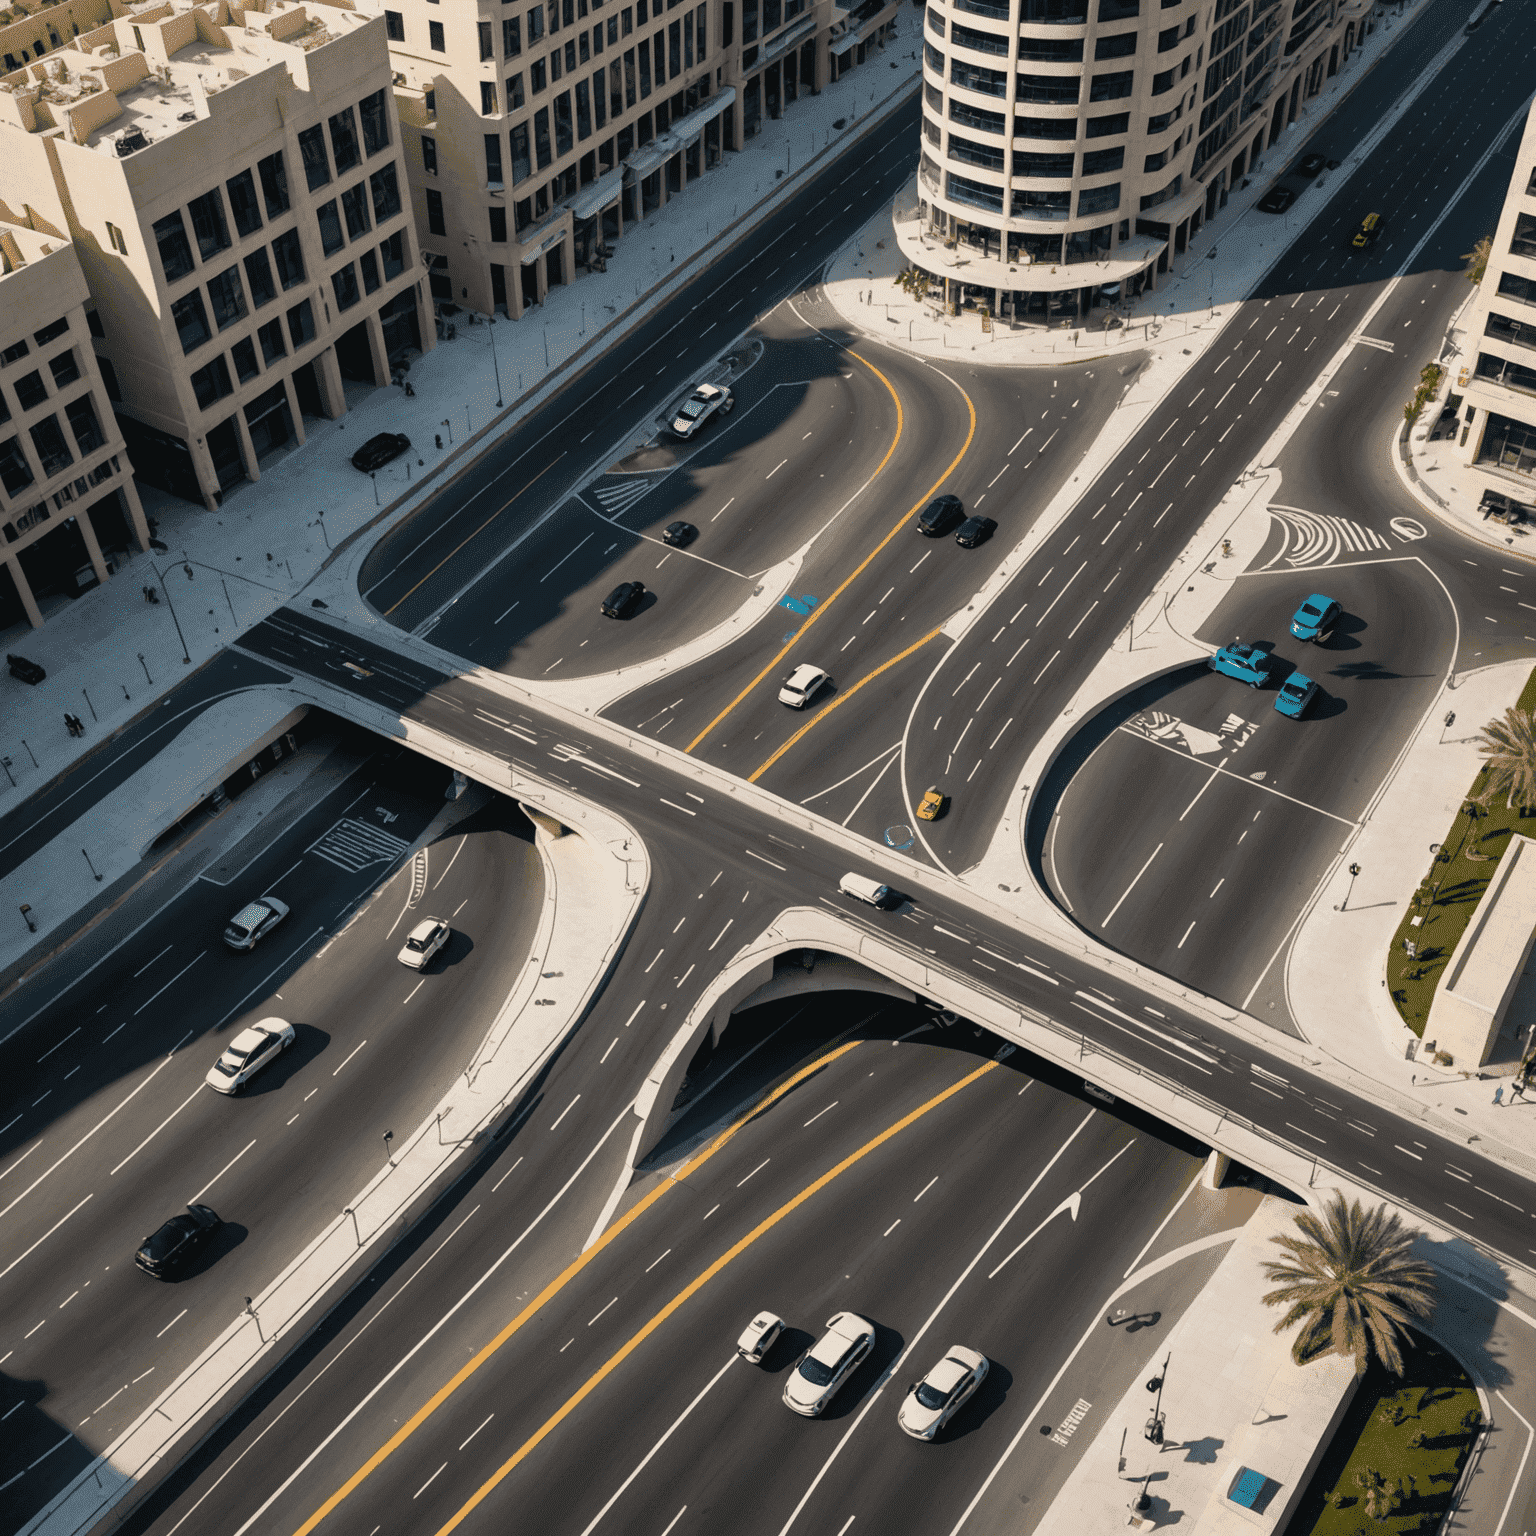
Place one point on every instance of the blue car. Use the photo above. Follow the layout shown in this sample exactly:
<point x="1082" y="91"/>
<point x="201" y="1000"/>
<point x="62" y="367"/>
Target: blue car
<point x="1296" y="692"/>
<point x="1247" y="663"/>
<point x="1315" y="619"/>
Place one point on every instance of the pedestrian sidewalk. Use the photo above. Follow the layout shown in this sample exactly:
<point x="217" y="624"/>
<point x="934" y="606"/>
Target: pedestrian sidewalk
<point x="1335" y="976"/>
<point x="1232" y="1398"/>
<point x="110" y="654"/>
<point x="1431" y="466"/>
<point x="1239" y="246"/>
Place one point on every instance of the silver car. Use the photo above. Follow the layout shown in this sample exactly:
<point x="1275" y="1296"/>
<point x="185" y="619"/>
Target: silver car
<point x="254" y="922"/>
<point x="424" y="941"/>
<point x="703" y="403"/>
<point x="932" y="1402"/>
<point x="821" y="1371"/>
<point x="252" y="1049"/>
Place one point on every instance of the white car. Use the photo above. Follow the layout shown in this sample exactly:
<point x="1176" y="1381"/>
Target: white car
<point x="253" y="1048"/>
<point x="424" y="941"/>
<point x="254" y="922"/>
<point x="932" y="1402"/>
<point x="821" y="1371"/>
<point x="759" y="1336"/>
<point x="703" y="403"/>
<point x="802" y="685"/>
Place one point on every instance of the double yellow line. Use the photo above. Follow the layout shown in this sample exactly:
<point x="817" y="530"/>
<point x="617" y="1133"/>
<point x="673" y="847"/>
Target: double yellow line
<point x="460" y="1377"/>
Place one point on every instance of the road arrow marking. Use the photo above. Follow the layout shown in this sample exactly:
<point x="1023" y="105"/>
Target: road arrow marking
<point x="1072" y="1203"/>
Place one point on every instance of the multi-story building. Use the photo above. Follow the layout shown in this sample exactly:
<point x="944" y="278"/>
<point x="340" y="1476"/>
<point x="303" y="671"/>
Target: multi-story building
<point x="535" y="134"/>
<point x="231" y="179"/>
<point x="67" y="498"/>
<point x="1070" y="148"/>
<point x="1499" y="380"/>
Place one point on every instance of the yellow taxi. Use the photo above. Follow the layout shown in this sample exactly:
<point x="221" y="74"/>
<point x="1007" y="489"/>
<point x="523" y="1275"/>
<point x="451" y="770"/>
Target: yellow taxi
<point x="932" y="806"/>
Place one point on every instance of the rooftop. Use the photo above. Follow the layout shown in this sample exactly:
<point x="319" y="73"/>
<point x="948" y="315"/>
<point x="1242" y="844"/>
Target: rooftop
<point x="20" y="246"/>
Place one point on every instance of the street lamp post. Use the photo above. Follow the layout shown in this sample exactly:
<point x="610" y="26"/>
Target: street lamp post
<point x="494" y="363"/>
<point x="389" y="1136"/>
<point x="186" y="655"/>
<point x="251" y="1312"/>
<point x="355" y="1228"/>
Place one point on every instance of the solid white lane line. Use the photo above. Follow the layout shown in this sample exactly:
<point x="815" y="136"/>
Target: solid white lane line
<point x="926" y="1187"/>
<point x="168" y="948"/>
<point x="756" y="1170"/>
<point x="820" y="1112"/>
<point x="1519" y="1479"/>
<point x="481" y="1425"/>
<point x="172" y="1323"/>
<point x="222" y="1171"/>
<point x="1132" y="886"/>
<point x="612" y="1303"/>
<point x="158" y="1129"/>
<point x="171" y="983"/>
<point x="673" y="1521"/>
<point x="356" y="1048"/>
<point x="604" y="1057"/>
<point x="43" y="1239"/>
<point x="1189" y="1189"/>
<point x="759" y="857"/>
<point x="564" y="1112"/>
<point x="1187" y="933"/>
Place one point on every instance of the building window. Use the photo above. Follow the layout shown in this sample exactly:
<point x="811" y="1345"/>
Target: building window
<point x="374" y="112"/>
<point x="368" y="265"/>
<point x="289" y="256"/>
<point x="208" y="224"/>
<point x="14" y="352"/>
<point x="1106" y="127"/>
<point x="354" y="207"/>
<point x="1040" y="88"/>
<point x="1168" y="40"/>
<point x="344" y="284"/>
<point x="1162" y="83"/>
<point x="976" y="194"/>
<point x="515" y="98"/>
<point x="487" y="97"/>
<point x="175" y="252"/>
<point x="487" y="41"/>
<point x="555" y="71"/>
<point x="429" y="155"/>
<point x="317" y="169"/>
<point x="15" y="473"/>
<point x="394" y="26"/>
<point x="244" y="354"/>
<point x="64" y="368"/>
<point x="599" y="107"/>
<point x="212" y="382"/>
<point x="538" y="76"/>
<point x="1121" y="46"/>
<point x="392" y="254"/>
<point x="1098" y="199"/>
<point x="242" y="203"/>
<point x="301" y="324"/>
<point x="1521" y="289"/>
<point x="82" y="422"/>
<point x="541" y="137"/>
<point x="563" y="139"/>
<point x="435" y="222"/>
<point x="191" y="321"/>
<point x="109" y="378"/>
<point x="344" y="146"/>
<point x="51" y="331"/>
<point x="535" y="24"/>
<point x="52" y="451"/>
<point x="274" y="184"/>
<point x="1111" y="87"/>
<point x="331" y="239"/>
<point x="493" y="160"/>
<point x="1118" y="10"/>
<point x="271" y="338"/>
<point x="1167" y="194"/>
<point x="1023" y="127"/>
<point x="385" y="186"/>
<point x="1042" y="165"/>
<point x="115" y="239"/>
<point x="227" y="296"/>
<point x="511" y="37"/>
<point x="498" y="226"/>
<point x="522" y="166"/>
<point x="31" y="391"/>
<point x="258" y="274"/>
<point x="435" y="37"/>
<point x="5" y="410"/>
<point x="1100" y="162"/>
<point x="990" y="155"/>
<point x="1041" y="205"/>
<point x="583" y="111"/>
<point x="570" y="57"/>
<point x="1051" y="50"/>
<point x="1524" y="241"/>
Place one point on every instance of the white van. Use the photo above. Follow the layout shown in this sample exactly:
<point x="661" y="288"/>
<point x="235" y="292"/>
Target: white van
<point x="861" y="888"/>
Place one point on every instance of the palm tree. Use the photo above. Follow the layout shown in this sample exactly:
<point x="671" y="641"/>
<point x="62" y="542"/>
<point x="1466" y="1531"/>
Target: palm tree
<point x="1510" y="747"/>
<point x="1351" y="1283"/>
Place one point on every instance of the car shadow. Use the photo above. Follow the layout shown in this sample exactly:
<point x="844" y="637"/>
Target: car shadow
<point x="308" y="1043"/>
<point x="787" y="1349"/>
<point x="225" y="1241"/>
<point x="645" y="604"/>
<point x="887" y="1350"/>
<point x="1325" y="706"/>
<point x="985" y="1401"/>
<point x="1342" y="636"/>
<point x="1366" y="671"/>
<point x="457" y="950"/>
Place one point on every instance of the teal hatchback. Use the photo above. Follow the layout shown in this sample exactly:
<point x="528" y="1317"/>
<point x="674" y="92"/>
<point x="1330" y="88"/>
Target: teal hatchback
<point x="1296" y="693"/>
<point x="1247" y="663"/>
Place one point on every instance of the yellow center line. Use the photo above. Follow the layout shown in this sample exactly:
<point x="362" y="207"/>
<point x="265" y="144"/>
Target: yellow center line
<point x="692" y="1289"/>
<point x="816" y="613"/>
<point x="841" y="699"/>
<point x="568" y="1274"/>
<point x="481" y="529"/>
<point x="862" y="566"/>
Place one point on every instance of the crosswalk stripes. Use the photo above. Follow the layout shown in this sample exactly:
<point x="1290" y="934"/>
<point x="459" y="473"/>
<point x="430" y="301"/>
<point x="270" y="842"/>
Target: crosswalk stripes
<point x="354" y="845"/>
<point x="1312" y="538"/>
<point x="618" y="499"/>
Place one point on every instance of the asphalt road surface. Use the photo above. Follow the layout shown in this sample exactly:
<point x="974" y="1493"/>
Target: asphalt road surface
<point x="110" y="1130"/>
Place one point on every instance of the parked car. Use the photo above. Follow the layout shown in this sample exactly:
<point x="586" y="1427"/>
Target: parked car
<point x="679" y="534"/>
<point x="759" y="1336"/>
<point x="1296" y="693"/>
<point x="254" y="922"/>
<point x="424" y="941"/>
<point x="1369" y="231"/>
<point x="168" y="1251"/>
<point x="1315" y="619"/>
<point x="940" y="515"/>
<point x="24" y="670"/>
<point x="255" y="1047"/>
<point x="1247" y="663"/>
<point x="932" y="805"/>
<point x="974" y="531"/>
<point x="932" y="1402"/>
<point x="821" y="1371"/>
<point x="802" y="685"/>
<point x="1310" y="165"/>
<point x="623" y="600"/>
<point x="378" y="451"/>
<point x="1276" y="200"/>
<point x="703" y="403"/>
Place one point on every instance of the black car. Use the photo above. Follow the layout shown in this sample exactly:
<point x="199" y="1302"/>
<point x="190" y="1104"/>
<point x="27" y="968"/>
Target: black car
<point x="177" y="1243"/>
<point x="623" y="600"/>
<point x="27" y="671"/>
<point x="974" y="531"/>
<point x="940" y="515"/>
<point x="1276" y="200"/>
<point x="679" y="534"/>
<point x="378" y="451"/>
<point x="1310" y="165"/>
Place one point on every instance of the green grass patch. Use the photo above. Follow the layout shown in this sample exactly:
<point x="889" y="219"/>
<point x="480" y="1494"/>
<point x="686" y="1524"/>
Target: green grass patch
<point x="1448" y="895"/>
<point x="1414" y="1432"/>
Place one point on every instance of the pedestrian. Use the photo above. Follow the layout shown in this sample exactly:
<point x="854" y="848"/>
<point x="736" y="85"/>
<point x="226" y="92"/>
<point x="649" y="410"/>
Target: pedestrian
<point x="1498" y="1094"/>
<point x="1517" y="1089"/>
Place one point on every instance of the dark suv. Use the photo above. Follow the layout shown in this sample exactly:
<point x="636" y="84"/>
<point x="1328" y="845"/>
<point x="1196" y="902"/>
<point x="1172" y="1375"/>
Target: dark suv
<point x="940" y="515"/>
<point x="177" y="1243"/>
<point x="623" y="600"/>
